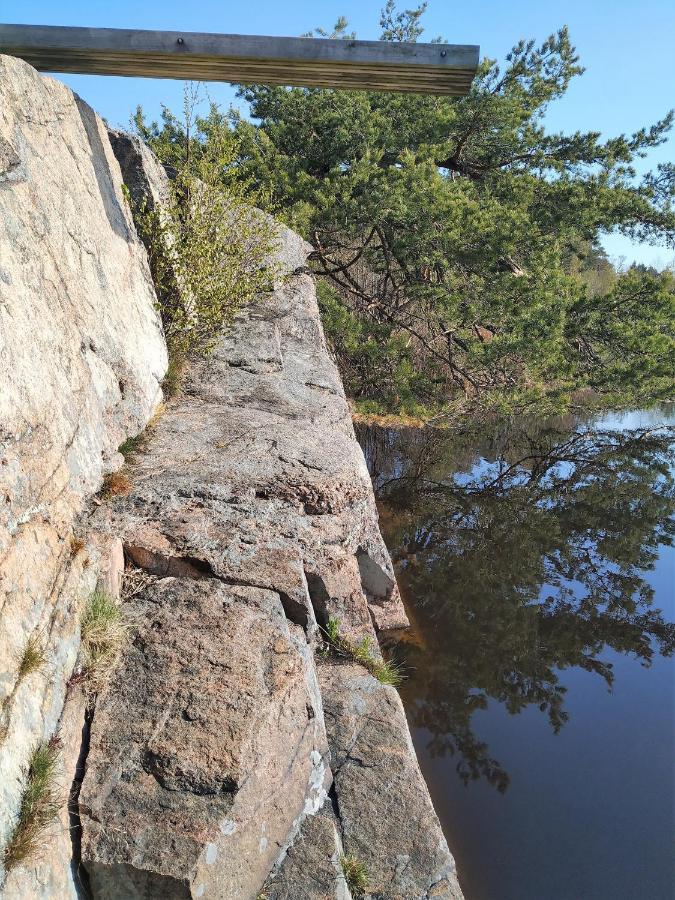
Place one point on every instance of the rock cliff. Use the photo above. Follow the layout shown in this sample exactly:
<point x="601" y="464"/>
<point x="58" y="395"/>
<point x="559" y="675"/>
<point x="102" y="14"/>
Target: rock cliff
<point x="230" y="755"/>
<point x="81" y="359"/>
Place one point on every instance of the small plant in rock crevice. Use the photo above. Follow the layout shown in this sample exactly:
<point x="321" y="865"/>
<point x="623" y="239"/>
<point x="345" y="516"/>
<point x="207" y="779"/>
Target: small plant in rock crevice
<point x="131" y="445"/>
<point x="172" y="382"/>
<point x="33" y="658"/>
<point x="40" y="804"/>
<point x="104" y="634"/>
<point x="137" y="443"/>
<point x="356" y="875"/>
<point x="362" y="652"/>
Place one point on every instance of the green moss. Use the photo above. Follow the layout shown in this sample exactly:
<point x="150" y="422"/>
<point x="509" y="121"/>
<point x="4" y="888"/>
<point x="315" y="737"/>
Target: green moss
<point x="131" y="446"/>
<point x="173" y="380"/>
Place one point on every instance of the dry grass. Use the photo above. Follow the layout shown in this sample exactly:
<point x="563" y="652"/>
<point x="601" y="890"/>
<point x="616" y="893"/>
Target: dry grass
<point x="135" y="582"/>
<point x="77" y="544"/>
<point x="116" y="484"/>
<point x="40" y="804"/>
<point x="33" y="658"/>
<point x="385" y="671"/>
<point x="104" y="634"/>
<point x="356" y="875"/>
<point x="387" y="420"/>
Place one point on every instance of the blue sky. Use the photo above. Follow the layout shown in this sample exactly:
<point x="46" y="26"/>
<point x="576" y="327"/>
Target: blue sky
<point x="627" y="49"/>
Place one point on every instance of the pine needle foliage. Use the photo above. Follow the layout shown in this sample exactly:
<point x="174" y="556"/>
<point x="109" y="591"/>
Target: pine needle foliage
<point x="460" y="237"/>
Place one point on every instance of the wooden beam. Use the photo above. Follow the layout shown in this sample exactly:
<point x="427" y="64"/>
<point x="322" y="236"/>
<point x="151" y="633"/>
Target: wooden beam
<point x="311" y="62"/>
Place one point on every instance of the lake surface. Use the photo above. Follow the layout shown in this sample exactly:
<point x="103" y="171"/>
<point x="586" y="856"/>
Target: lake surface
<point x="537" y="567"/>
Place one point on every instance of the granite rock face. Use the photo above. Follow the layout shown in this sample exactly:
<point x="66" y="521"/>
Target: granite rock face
<point x="82" y="355"/>
<point x="311" y="868"/>
<point x="142" y="173"/>
<point x="385" y="813"/>
<point x="206" y="750"/>
<point x="251" y="493"/>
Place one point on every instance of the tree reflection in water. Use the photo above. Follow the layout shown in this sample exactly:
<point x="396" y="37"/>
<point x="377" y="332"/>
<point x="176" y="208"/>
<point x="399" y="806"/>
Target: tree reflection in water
<point x="518" y="562"/>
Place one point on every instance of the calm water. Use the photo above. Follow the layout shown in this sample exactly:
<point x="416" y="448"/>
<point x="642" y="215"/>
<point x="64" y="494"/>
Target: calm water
<point x="537" y="568"/>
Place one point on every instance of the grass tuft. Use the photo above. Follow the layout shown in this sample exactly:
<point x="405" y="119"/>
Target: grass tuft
<point x="385" y="671"/>
<point x="33" y="658"/>
<point x="104" y="634"/>
<point x="138" y="442"/>
<point x="356" y="875"/>
<point x="40" y="804"/>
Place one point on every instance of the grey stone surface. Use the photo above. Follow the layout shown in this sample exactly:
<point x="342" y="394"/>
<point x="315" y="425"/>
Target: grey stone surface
<point x="255" y="471"/>
<point x="253" y="477"/>
<point x="386" y="816"/>
<point x="311" y="868"/>
<point x="142" y="173"/>
<point x="252" y="481"/>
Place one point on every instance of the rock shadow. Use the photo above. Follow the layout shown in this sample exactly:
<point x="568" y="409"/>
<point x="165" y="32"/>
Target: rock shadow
<point x="106" y="186"/>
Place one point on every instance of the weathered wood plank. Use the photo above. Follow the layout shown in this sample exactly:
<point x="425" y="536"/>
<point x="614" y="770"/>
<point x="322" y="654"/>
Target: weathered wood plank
<point x="370" y="65"/>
